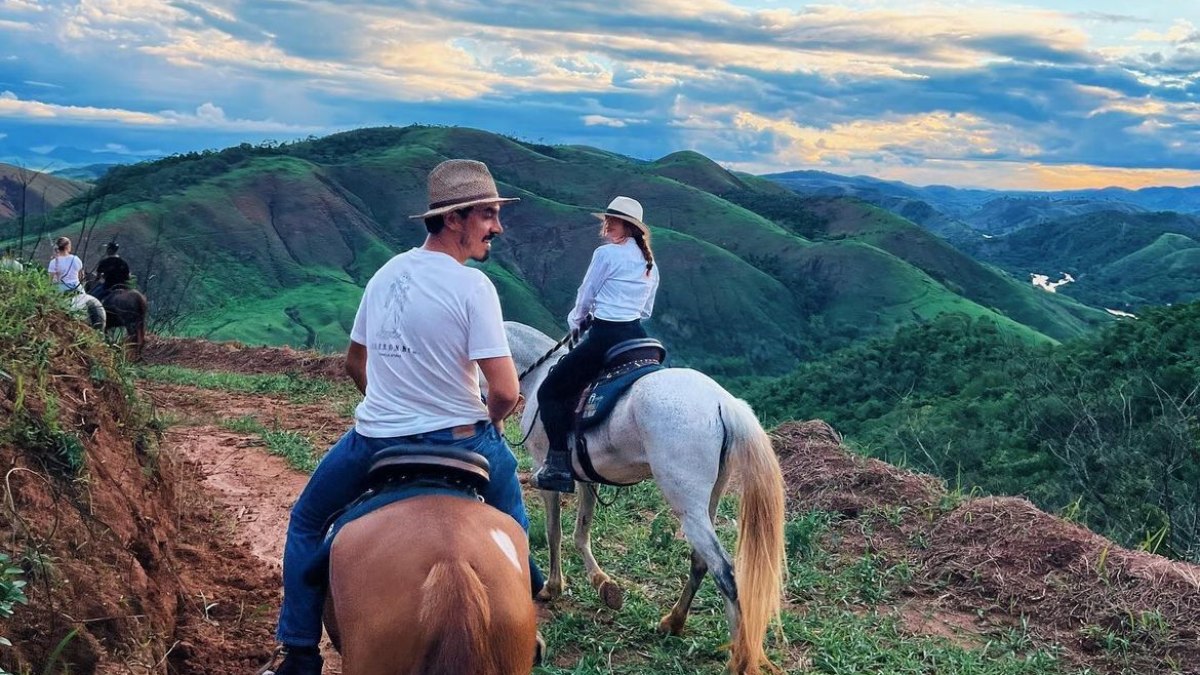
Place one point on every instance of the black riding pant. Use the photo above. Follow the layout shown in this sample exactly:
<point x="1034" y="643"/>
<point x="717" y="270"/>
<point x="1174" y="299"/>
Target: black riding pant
<point x="560" y="391"/>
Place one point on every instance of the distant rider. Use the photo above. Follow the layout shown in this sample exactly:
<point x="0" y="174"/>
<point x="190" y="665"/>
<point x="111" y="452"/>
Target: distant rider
<point x="65" y="268"/>
<point x="112" y="272"/>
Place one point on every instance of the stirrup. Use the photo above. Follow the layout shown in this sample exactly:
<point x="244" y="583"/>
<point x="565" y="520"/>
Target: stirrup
<point x="269" y="667"/>
<point x="549" y="479"/>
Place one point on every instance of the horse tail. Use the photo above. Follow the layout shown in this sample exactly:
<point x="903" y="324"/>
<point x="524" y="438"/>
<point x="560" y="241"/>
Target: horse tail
<point x="96" y="315"/>
<point x="456" y="616"/>
<point x="758" y="565"/>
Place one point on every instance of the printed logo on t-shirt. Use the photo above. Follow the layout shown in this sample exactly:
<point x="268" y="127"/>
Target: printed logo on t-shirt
<point x="391" y="341"/>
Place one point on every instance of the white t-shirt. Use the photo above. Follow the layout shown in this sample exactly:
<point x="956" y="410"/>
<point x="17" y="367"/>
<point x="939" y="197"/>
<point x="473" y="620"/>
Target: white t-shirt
<point x="616" y="286"/>
<point x="64" y="272"/>
<point x="425" y="319"/>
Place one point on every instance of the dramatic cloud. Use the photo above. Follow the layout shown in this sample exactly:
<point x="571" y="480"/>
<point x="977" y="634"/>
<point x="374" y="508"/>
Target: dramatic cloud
<point x="207" y="116"/>
<point x="888" y="87"/>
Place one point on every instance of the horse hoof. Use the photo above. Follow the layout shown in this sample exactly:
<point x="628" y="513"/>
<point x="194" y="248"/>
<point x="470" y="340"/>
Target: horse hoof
<point x="612" y="595"/>
<point x="670" y="626"/>
<point x="539" y="649"/>
<point x="549" y="593"/>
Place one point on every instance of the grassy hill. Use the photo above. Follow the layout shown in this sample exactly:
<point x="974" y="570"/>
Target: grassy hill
<point x="1120" y="260"/>
<point x="273" y="243"/>
<point x="31" y="193"/>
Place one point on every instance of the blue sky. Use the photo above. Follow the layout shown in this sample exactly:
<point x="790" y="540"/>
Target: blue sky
<point x="1038" y="95"/>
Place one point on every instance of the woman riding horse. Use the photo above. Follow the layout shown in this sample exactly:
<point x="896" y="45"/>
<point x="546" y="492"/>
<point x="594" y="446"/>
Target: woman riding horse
<point x="618" y="292"/>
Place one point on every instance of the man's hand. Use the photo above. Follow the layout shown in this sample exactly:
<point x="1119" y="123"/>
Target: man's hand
<point x="503" y="389"/>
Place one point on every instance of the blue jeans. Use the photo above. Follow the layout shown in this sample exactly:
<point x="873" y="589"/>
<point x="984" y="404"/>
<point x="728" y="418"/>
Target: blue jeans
<point x="338" y="480"/>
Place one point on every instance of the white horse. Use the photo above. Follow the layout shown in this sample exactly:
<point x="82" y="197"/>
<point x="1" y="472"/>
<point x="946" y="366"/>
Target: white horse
<point x="685" y="431"/>
<point x="89" y="307"/>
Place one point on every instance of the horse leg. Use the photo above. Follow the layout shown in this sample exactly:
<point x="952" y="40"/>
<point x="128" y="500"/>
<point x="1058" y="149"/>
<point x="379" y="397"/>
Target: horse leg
<point x="139" y="340"/>
<point x="673" y="622"/>
<point x="554" y="583"/>
<point x="609" y="591"/>
<point x="700" y="532"/>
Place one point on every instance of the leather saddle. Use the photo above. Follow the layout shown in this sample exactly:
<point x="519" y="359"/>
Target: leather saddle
<point x="402" y="472"/>
<point x="624" y="363"/>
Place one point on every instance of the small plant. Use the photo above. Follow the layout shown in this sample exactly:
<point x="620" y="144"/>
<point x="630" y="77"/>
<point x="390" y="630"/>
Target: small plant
<point x="1106" y="639"/>
<point x="802" y="534"/>
<point x="1073" y="510"/>
<point x="12" y="592"/>
<point x="1153" y="541"/>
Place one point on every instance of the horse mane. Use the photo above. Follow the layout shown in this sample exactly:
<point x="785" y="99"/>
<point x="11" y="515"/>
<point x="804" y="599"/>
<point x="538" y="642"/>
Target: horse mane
<point x="455" y="615"/>
<point x="527" y="343"/>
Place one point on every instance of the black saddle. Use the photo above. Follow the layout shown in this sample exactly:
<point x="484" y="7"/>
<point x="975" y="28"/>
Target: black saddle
<point x="624" y="363"/>
<point x="639" y="349"/>
<point x="402" y="472"/>
<point x="422" y="460"/>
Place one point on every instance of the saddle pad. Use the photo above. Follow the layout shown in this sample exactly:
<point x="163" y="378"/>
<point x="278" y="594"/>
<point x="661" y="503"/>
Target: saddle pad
<point x="389" y="493"/>
<point x="604" y="394"/>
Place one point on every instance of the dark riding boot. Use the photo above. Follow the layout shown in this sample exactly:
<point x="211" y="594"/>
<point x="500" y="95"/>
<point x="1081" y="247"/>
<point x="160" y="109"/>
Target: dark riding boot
<point x="555" y="474"/>
<point x="297" y="661"/>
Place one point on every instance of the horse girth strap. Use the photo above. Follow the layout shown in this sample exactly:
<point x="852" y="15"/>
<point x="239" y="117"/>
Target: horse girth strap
<point x="589" y="469"/>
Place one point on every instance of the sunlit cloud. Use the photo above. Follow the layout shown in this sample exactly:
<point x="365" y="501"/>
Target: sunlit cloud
<point x="882" y="85"/>
<point x="602" y="121"/>
<point x="206" y="116"/>
<point x="904" y="139"/>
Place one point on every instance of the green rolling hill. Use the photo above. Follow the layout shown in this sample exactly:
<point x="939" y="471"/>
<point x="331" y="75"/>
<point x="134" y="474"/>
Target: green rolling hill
<point x="272" y="244"/>
<point x="1119" y="260"/>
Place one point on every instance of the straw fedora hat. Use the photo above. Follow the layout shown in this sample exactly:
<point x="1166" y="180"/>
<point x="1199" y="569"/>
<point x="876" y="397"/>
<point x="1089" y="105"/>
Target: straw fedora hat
<point x="459" y="183"/>
<point x="627" y="209"/>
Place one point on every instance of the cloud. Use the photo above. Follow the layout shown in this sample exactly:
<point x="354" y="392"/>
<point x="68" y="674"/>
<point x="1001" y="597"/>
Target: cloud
<point x="903" y="139"/>
<point x="602" y="121"/>
<point x="1181" y="30"/>
<point x="121" y="149"/>
<point x="206" y="116"/>
<point x="844" y="83"/>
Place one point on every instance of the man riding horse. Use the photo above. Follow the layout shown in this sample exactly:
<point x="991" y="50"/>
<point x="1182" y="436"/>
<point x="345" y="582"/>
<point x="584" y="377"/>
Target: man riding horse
<point x="112" y="272"/>
<point x="427" y="324"/>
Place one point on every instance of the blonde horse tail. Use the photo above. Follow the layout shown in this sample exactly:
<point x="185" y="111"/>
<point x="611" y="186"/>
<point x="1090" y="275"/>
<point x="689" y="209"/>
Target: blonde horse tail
<point x="455" y="617"/>
<point x="758" y="565"/>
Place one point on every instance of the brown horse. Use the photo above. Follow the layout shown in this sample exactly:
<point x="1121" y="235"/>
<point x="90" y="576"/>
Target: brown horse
<point x="126" y="308"/>
<point x="432" y="585"/>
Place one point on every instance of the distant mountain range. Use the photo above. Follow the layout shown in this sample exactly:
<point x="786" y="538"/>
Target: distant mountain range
<point x="1123" y="249"/>
<point x="946" y="210"/>
<point x="273" y="244"/>
<point x="30" y="193"/>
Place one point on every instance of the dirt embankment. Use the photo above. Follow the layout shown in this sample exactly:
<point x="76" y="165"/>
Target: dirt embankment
<point x="237" y="358"/>
<point x="982" y="564"/>
<point x="126" y="565"/>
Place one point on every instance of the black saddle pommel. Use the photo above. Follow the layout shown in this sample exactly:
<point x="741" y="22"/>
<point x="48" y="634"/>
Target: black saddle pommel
<point x="639" y="349"/>
<point x="425" y="460"/>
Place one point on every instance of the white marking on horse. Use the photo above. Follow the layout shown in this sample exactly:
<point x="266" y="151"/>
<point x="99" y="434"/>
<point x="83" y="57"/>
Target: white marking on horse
<point x="506" y="544"/>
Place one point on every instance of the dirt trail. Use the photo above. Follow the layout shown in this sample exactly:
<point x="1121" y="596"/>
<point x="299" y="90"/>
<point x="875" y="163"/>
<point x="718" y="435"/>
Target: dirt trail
<point x="256" y="489"/>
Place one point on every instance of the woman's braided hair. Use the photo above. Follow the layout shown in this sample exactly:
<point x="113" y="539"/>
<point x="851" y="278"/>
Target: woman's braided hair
<point x="643" y="243"/>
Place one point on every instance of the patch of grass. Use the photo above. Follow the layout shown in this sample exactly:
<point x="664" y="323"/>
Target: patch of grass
<point x="295" y="388"/>
<point x="836" y="619"/>
<point x="294" y="447"/>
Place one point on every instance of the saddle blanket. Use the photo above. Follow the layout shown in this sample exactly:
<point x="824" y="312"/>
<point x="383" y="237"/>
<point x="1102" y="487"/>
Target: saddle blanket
<point x="389" y="493"/>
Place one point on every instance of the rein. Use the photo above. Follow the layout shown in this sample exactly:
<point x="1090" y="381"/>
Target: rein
<point x="557" y="346"/>
<point x="545" y="357"/>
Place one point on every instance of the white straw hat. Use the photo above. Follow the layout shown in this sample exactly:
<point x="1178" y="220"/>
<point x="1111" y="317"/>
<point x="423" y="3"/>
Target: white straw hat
<point x="627" y="209"/>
